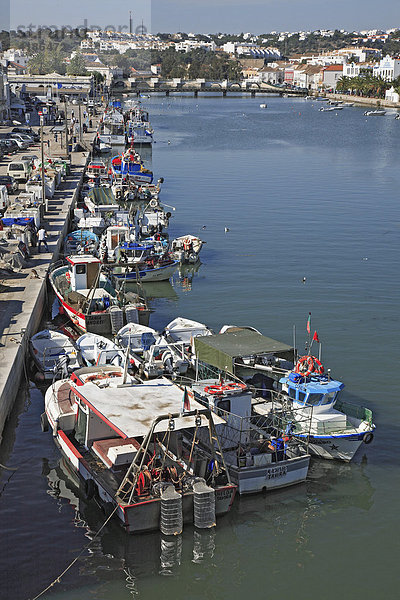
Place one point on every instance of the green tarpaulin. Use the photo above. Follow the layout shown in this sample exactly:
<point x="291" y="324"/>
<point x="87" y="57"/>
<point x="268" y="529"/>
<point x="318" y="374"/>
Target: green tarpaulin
<point x="102" y="195"/>
<point x="223" y="349"/>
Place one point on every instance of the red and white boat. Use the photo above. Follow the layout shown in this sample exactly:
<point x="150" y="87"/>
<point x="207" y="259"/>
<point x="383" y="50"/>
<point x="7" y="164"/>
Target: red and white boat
<point x="90" y="300"/>
<point x="126" y="443"/>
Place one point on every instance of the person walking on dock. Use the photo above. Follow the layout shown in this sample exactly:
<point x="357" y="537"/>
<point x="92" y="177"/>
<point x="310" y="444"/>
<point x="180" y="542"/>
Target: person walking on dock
<point x="42" y="239"/>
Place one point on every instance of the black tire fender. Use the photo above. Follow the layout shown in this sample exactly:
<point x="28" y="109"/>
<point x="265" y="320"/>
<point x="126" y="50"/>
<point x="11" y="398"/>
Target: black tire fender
<point x="44" y="422"/>
<point x="368" y="437"/>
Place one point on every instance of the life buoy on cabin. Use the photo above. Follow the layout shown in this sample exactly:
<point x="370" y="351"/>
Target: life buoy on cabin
<point x="214" y="389"/>
<point x="186" y="244"/>
<point x="309" y="364"/>
<point x="153" y="203"/>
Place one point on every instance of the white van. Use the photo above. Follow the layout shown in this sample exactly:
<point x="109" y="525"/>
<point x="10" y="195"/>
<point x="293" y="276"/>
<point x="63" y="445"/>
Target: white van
<point x="20" y="169"/>
<point x="3" y="198"/>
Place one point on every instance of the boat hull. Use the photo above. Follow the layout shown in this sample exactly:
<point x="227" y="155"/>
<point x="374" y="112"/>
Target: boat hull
<point x="144" y="515"/>
<point x="160" y="274"/>
<point x="271" y="476"/>
<point x="338" y="447"/>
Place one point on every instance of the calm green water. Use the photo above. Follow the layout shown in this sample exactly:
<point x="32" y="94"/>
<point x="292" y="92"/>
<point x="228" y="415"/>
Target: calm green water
<point x="304" y="194"/>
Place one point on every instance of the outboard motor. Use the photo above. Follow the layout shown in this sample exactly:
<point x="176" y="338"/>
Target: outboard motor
<point x="203" y="504"/>
<point x="168" y="361"/>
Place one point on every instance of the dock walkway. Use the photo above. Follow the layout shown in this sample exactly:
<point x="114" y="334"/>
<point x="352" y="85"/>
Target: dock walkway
<point x="23" y="294"/>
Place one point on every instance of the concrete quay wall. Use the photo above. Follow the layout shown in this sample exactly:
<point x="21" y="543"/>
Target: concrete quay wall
<point x="23" y="296"/>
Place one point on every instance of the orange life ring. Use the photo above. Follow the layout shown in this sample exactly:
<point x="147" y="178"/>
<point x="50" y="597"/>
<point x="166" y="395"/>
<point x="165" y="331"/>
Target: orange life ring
<point x="306" y="365"/>
<point x="143" y="483"/>
<point x="214" y="389"/>
<point x="186" y="243"/>
<point x="68" y="276"/>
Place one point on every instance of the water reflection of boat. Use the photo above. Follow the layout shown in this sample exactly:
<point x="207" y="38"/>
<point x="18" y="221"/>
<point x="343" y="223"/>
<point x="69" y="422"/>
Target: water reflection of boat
<point x="186" y="275"/>
<point x="139" y="557"/>
<point x="149" y="290"/>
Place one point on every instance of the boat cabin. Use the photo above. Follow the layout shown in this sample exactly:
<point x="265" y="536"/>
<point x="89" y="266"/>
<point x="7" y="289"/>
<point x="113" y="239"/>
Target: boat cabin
<point x="84" y="272"/>
<point x="318" y="391"/>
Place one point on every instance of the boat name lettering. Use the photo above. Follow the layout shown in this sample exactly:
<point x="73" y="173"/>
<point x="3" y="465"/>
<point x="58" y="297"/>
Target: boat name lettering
<point x="276" y="472"/>
<point x="220" y="494"/>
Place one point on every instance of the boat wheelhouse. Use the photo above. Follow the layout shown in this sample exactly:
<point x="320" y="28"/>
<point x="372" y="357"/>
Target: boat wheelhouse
<point x="112" y="128"/>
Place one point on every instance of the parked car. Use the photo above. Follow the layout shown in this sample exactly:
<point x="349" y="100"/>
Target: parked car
<point x="11" y="145"/>
<point x="28" y="131"/>
<point x="21" y="137"/>
<point x="10" y="183"/>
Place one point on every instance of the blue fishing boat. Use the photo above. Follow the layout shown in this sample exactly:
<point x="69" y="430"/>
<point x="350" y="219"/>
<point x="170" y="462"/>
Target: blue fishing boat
<point x="129" y="165"/>
<point x="337" y="428"/>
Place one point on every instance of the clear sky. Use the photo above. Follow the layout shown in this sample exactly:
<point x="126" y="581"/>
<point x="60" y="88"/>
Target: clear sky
<point x="257" y="16"/>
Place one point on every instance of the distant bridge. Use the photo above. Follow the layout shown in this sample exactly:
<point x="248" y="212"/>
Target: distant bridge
<point x="196" y="86"/>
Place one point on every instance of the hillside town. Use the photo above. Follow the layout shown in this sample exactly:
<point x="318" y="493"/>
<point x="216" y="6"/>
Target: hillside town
<point x="365" y="63"/>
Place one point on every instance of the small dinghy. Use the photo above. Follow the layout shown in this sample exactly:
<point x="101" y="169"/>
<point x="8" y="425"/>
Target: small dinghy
<point x="137" y="338"/>
<point x="53" y="354"/>
<point x="98" y="350"/>
<point x="183" y="330"/>
<point x="186" y="249"/>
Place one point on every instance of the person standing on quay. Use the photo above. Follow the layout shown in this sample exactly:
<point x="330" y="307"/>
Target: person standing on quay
<point x="42" y="239"/>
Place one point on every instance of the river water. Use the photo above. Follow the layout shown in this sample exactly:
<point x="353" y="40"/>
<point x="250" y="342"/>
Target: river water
<point x="304" y="194"/>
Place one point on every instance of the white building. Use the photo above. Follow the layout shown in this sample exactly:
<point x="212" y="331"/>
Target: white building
<point x="388" y="68"/>
<point x="392" y="95"/>
<point x="16" y="55"/>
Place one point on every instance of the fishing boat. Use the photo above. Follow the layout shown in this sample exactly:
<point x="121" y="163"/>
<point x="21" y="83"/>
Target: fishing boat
<point x="152" y="268"/>
<point x="186" y="249"/>
<point x="88" y="297"/>
<point x="153" y="219"/>
<point x="96" y="170"/>
<point x="53" y="353"/>
<point x="129" y="165"/>
<point x="133" y="461"/>
<point x="263" y="106"/>
<point x="261" y="454"/>
<point x="112" y="128"/>
<point x="330" y="108"/>
<point x="338" y="428"/>
<point x="81" y="241"/>
<point x="379" y="112"/>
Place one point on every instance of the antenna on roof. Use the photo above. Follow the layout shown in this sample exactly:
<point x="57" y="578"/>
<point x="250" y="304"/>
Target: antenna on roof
<point x="130" y="21"/>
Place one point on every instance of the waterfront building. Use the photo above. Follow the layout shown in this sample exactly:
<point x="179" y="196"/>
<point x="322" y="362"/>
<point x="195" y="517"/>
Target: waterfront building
<point x="388" y="68"/>
<point x="331" y="75"/>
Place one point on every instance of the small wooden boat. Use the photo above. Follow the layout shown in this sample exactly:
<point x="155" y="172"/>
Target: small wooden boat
<point x="379" y="112"/>
<point x="98" y="350"/>
<point x="186" y="249"/>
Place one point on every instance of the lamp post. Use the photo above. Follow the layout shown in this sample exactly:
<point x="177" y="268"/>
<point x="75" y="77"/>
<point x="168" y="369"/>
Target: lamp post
<point x="44" y="199"/>
<point x="66" y="128"/>
<point x="80" y="122"/>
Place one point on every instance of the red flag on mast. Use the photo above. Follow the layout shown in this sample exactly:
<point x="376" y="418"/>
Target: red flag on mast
<point x="309" y="323"/>
<point x="186" y="401"/>
<point x="315" y="338"/>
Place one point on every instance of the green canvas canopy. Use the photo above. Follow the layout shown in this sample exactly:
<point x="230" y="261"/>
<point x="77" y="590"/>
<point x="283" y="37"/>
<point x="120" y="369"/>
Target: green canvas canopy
<point x="102" y="195"/>
<point x="223" y="349"/>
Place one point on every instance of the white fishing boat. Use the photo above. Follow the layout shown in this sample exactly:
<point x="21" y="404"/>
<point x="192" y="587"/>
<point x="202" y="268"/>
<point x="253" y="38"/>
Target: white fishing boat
<point x="261" y="454"/>
<point x="97" y="170"/>
<point x="263" y="106"/>
<point x="53" y="353"/>
<point x="132" y="461"/>
<point x="379" y="112"/>
<point x="153" y="219"/>
<point x="186" y="249"/>
<point x="112" y="128"/>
